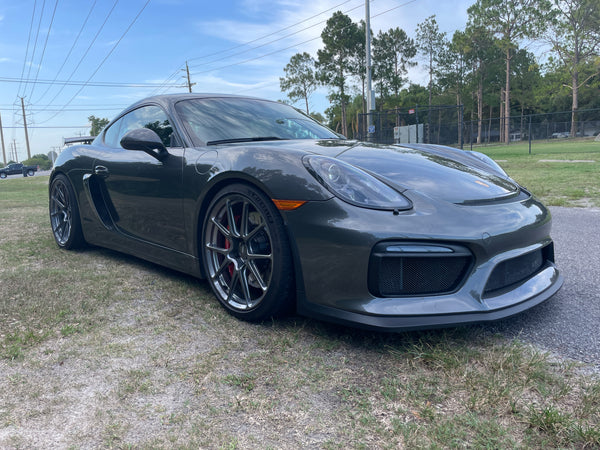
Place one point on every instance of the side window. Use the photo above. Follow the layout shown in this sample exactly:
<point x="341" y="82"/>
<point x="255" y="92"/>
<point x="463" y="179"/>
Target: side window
<point x="151" y="117"/>
<point x="111" y="135"/>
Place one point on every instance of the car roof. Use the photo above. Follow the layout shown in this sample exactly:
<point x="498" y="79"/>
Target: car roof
<point x="169" y="99"/>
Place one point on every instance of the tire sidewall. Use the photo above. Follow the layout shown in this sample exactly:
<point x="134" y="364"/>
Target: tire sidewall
<point x="279" y="296"/>
<point x="75" y="239"/>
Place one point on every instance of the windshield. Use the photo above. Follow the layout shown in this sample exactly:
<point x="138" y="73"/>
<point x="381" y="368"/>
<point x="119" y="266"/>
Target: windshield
<point x="212" y="121"/>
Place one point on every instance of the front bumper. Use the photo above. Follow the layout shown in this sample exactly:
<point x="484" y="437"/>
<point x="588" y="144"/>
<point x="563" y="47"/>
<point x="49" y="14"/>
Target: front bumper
<point x="334" y="244"/>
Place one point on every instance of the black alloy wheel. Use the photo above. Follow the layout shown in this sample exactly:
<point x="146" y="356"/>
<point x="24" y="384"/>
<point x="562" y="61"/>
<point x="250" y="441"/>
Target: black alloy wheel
<point x="64" y="214"/>
<point x="246" y="254"/>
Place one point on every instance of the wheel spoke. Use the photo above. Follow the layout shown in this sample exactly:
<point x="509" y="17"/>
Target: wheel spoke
<point x="255" y="231"/>
<point x="222" y="251"/>
<point x="234" y="280"/>
<point x="231" y="219"/>
<point x="244" y="220"/>
<point x="257" y="275"/>
<point x="254" y="256"/>
<point x="245" y="286"/>
<point x="224" y="231"/>
<point x="224" y="265"/>
<point x="57" y="201"/>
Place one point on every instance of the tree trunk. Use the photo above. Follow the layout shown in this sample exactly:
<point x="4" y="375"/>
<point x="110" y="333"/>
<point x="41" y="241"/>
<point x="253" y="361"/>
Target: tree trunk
<point x="507" y="99"/>
<point x="479" y="110"/>
<point x="575" y="105"/>
<point x="501" y="117"/>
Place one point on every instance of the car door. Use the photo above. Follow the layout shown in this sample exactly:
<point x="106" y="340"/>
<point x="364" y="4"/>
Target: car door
<point x="143" y="194"/>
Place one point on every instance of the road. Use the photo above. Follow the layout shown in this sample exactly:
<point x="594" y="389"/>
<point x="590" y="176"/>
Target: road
<point x="569" y="323"/>
<point x="37" y="174"/>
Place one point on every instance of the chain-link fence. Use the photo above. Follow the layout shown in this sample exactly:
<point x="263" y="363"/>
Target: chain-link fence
<point x="436" y="125"/>
<point x="445" y="125"/>
<point x="534" y="127"/>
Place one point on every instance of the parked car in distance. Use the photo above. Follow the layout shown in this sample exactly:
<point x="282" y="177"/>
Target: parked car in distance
<point x="279" y="213"/>
<point x="18" y="168"/>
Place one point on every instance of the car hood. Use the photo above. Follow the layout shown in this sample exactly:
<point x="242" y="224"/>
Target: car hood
<point x="440" y="172"/>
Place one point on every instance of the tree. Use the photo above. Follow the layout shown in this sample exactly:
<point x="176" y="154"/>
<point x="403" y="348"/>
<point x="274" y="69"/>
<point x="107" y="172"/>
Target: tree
<point x="340" y="36"/>
<point x="511" y="21"/>
<point x="97" y="125"/>
<point x="430" y="42"/>
<point x="39" y="160"/>
<point x="575" y="38"/>
<point x="452" y="70"/>
<point x="393" y="53"/>
<point x="481" y="55"/>
<point x="299" y="81"/>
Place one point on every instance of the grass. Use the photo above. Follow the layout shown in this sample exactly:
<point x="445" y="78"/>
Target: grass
<point x="548" y="173"/>
<point x="101" y="349"/>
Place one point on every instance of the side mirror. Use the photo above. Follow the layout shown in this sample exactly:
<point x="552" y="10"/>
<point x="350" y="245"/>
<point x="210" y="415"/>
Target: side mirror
<point x="145" y="140"/>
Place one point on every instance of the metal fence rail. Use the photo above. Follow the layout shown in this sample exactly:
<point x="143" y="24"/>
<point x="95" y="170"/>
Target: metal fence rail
<point x="445" y="125"/>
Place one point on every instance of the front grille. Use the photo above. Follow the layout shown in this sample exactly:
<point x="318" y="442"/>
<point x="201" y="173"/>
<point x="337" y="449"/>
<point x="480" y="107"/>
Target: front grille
<point x="516" y="270"/>
<point x="418" y="273"/>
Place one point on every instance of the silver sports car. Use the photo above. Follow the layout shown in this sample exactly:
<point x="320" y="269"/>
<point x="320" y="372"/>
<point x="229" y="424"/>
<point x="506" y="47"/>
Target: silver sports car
<point x="278" y="213"/>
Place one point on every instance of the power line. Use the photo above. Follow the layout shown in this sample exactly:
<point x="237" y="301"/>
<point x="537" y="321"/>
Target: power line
<point x="88" y="49"/>
<point x="70" y="51"/>
<point x="270" y="34"/>
<point x="45" y="45"/>
<point x="275" y="40"/>
<point x="34" y="46"/>
<point x="103" y="61"/>
<point x="27" y="49"/>
<point x="291" y="46"/>
<point x="170" y="77"/>
<point x="83" y="83"/>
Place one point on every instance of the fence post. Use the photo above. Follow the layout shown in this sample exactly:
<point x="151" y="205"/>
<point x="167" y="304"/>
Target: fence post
<point x="529" y="134"/>
<point x="471" y="135"/>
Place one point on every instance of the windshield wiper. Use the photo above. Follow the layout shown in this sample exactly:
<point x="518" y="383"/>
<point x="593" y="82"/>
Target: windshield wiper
<point x="248" y="139"/>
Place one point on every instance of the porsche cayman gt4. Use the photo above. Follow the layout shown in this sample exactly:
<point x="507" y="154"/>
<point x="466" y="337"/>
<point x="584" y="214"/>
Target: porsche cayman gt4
<point x="278" y="213"/>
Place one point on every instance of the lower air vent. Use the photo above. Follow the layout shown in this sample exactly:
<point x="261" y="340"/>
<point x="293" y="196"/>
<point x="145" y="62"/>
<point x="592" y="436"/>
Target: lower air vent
<point x="398" y="270"/>
<point x="516" y="270"/>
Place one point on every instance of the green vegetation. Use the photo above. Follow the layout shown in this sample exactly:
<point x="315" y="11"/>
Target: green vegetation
<point x="482" y="67"/>
<point x="40" y="160"/>
<point x="131" y="355"/>
<point x="561" y="173"/>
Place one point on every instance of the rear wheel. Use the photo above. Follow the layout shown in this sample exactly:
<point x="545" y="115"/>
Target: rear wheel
<point x="30" y="173"/>
<point x="246" y="254"/>
<point x="64" y="214"/>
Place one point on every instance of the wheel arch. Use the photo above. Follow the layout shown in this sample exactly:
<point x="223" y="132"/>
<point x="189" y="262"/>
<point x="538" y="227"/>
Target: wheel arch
<point x="212" y="190"/>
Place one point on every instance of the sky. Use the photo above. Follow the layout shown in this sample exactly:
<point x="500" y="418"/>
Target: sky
<point x="69" y="59"/>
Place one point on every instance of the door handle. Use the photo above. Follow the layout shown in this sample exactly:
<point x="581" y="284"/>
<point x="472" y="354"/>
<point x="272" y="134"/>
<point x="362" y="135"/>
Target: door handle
<point x="101" y="171"/>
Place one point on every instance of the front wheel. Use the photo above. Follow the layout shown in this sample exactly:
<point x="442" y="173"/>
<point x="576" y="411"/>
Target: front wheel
<point x="64" y="214"/>
<point x="3" y="175"/>
<point x="246" y="254"/>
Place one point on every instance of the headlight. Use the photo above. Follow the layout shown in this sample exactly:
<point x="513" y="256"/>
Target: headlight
<point x="353" y="185"/>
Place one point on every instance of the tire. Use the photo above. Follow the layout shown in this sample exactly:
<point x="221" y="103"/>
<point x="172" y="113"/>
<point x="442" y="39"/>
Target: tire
<point x="30" y="173"/>
<point x="246" y="254"/>
<point x="3" y="175"/>
<point x="64" y="214"/>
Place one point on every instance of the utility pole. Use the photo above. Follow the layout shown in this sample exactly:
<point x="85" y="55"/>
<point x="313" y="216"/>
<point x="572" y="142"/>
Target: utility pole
<point x="2" y="139"/>
<point x="189" y="81"/>
<point x="15" y="151"/>
<point x="25" y="125"/>
<point x="370" y="94"/>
